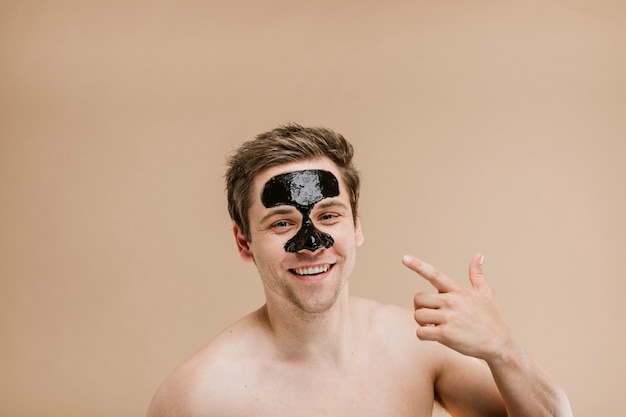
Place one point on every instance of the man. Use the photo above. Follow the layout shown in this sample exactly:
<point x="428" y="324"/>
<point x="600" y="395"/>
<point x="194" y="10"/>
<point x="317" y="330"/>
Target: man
<point x="312" y="350"/>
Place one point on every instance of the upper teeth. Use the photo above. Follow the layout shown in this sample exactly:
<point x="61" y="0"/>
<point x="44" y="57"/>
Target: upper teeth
<point x="312" y="270"/>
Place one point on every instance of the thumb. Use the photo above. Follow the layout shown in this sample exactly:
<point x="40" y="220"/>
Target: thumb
<point x="476" y="273"/>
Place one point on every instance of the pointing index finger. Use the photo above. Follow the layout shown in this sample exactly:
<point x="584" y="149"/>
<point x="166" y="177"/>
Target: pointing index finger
<point x="437" y="279"/>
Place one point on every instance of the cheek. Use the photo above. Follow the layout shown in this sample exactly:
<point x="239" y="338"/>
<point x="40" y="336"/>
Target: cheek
<point x="344" y="237"/>
<point x="270" y="251"/>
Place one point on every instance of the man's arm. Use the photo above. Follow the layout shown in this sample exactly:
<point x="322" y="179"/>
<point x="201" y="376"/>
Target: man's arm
<point x="469" y="322"/>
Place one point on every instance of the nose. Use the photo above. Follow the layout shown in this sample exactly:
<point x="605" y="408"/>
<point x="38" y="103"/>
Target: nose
<point x="314" y="240"/>
<point x="311" y="252"/>
<point x="309" y="238"/>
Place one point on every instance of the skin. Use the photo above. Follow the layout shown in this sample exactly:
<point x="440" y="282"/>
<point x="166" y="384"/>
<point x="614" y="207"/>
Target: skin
<point x="313" y="350"/>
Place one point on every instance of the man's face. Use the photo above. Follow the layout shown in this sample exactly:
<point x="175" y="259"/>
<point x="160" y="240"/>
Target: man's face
<point x="303" y="237"/>
<point x="302" y="190"/>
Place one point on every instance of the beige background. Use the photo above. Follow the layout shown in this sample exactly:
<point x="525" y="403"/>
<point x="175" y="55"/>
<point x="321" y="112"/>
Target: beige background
<point x="479" y="125"/>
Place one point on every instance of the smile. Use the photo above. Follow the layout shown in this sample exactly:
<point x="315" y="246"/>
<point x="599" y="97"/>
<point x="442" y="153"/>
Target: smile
<point x="311" y="270"/>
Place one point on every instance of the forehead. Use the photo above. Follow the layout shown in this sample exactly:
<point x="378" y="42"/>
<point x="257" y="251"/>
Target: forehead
<point x="316" y="164"/>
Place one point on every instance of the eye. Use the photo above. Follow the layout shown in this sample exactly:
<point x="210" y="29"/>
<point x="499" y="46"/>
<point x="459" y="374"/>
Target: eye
<point x="328" y="218"/>
<point x="281" y="226"/>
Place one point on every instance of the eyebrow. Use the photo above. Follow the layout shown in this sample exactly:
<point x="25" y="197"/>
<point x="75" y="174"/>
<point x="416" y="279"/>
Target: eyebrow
<point x="277" y="211"/>
<point x="326" y="203"/>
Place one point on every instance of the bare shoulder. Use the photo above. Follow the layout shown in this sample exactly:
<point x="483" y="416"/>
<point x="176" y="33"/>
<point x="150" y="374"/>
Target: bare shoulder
<point x="388" y="321"/>
<point x="457" y="378"/>
<point x="393" y="327"/>
<point x="210" y="381"/>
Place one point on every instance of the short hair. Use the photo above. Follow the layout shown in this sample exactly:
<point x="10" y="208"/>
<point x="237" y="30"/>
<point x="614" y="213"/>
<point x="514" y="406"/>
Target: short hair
<point x="282" y="145"/>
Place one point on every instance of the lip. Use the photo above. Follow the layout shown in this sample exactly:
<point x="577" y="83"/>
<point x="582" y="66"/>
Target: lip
<point x="312" y="275"/>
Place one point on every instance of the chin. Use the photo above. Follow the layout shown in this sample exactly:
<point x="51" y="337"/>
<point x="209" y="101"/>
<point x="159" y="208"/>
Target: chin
<point x="315" y="304"/>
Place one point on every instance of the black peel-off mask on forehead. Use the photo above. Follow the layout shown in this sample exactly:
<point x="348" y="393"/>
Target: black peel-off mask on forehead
<point x="302" y="190"/>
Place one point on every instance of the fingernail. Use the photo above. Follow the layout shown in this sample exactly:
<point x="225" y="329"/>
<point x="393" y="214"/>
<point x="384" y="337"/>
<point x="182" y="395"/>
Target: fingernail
<point x="407" y="259"/>
<point x="482" y="259"/>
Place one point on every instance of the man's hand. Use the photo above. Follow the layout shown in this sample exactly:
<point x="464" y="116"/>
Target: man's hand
<point x="467" y="321"/>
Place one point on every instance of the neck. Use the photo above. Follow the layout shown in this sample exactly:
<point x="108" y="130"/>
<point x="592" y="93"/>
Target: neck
<point x="326" y="336"/>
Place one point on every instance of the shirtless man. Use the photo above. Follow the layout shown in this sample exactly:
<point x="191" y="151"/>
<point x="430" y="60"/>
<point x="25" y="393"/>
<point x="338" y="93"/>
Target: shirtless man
<point x="312" y="350"/>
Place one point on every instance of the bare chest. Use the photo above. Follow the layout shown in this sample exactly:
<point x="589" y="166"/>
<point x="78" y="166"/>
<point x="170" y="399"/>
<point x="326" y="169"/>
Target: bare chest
<point x="369" y="391"/>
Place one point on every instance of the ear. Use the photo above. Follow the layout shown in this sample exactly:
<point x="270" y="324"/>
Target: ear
<point x="358" y="232"/>
<point x="242" y="244"/>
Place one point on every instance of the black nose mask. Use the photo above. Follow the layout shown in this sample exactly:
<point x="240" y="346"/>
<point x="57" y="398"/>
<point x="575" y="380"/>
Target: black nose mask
<point x="302" y="190"/>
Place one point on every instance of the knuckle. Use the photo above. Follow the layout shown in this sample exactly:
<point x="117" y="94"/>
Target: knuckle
<point x="417" y="315"/>
<point x="450" y="300"/>
<point x="454" y="302"/>
<point x="438" y="275"/>
<point x="424" y="333"/>
<point x="418" y="299"/>
<point x="420" y="317"/>
<point x="448" y="316"/>
<point x="445" y="334"/>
